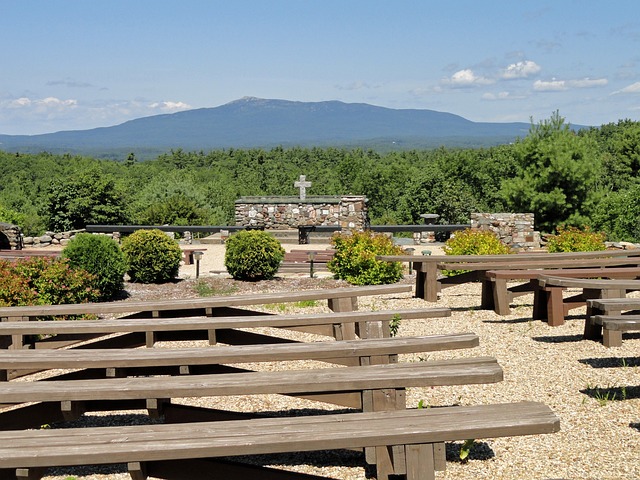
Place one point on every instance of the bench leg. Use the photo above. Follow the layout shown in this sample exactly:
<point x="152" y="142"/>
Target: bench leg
<point x="72" y="410"/>
<point x="344" y="331"/>
<point x="539" y="301"/>
<point x="611" y="338"/>
<point x="427" y="281"/>
<point x="555" y="306"/>
<point x="420" y="462"/>
<point x="137" y="470"/>
<point x="34" y="473"/>
<point x="495" y="296"/>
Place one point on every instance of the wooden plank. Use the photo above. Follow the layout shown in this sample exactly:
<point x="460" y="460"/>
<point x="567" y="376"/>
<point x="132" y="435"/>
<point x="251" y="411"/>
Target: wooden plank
<point x="124" y="358"/>
<point x="208" y="323"/>
<point x="398" y="375"/>
<point x="32" y="448"/>
<point x="202" y="302"/>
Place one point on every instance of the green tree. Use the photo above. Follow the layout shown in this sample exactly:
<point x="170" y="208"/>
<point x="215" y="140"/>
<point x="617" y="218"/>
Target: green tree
<point x="557" y="174"/>
<point x="88" y="198"/>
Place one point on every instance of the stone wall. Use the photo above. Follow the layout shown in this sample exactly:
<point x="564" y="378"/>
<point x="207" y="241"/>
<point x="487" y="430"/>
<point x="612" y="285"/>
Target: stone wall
<point x="282" y="213"/>
<point x="514" y="229"/>
<point x="50" y="238"/>
<point x="10" y="236"/>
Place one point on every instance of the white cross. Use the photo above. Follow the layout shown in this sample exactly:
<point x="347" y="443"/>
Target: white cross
<point x="302" y="184"/>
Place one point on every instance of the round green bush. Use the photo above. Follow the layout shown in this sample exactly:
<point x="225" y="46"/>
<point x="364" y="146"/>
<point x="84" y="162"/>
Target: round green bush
<point x="151" y="256"/>
<point x="101" y="256"/>
<point x="253" y="255"/>
<point x="355" y="258"/>
<point x="473" y="242"/>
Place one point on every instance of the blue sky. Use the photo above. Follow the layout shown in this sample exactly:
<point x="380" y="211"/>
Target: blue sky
<point x="79" y="64"/>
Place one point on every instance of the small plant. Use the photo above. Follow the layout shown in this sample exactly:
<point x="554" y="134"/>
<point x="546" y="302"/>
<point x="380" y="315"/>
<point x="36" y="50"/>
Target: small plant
<point x="572" y="239"/>
<point x="474" y="242"/>
<point x="151" y="256"/>
<point x="283" y="307"/>
<point x="253" y="255"/>
<point x="209" y="289"/>
<point x="101" y="256"/>
<point x="465" y="449"/>
<point x="355" y="258"/>
<point x="394" y="324"/>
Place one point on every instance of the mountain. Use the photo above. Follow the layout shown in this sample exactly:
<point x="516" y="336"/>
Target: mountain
<point x="253" y="122"/>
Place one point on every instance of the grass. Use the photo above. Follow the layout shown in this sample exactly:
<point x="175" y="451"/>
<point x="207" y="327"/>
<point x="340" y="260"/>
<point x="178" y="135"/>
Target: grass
<point x="283" y="307"/>
<point x="208" y="289"/>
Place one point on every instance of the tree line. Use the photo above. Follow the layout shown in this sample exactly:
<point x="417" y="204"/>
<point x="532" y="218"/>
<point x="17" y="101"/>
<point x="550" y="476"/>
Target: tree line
<point x="585" y="178"/>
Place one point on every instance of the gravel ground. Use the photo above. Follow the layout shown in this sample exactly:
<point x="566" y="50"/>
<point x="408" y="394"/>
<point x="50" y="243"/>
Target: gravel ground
<point x="594" y="390"/>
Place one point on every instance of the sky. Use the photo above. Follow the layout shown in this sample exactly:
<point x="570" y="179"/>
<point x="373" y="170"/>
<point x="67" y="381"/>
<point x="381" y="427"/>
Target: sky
<point x="81" y="64"/>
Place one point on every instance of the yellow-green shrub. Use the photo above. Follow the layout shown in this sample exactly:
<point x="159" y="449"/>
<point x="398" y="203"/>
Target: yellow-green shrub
<point x="355" y="258"/>
<point x="573" y="239"/>
<point x="474" y="242"/>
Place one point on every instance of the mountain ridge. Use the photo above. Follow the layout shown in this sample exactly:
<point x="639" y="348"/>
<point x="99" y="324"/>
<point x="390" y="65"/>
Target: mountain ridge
<point x="252" y="122"/>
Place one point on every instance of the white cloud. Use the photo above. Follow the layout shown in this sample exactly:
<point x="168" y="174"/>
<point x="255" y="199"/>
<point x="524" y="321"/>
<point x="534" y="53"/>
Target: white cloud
<point x="501" y="96"/>
<point x="40" y="115"/>
<point x="466" y="78"/>
<point x="588" y="82"/>
<point x="550" y="86"/>
<point x="169" y="106"/>
<point x="522" y="69"/>
<point x="563" y="85"/>
<point x="633" y="88"/>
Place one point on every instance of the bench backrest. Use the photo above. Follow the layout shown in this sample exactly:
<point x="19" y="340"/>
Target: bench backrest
<point x="522" y="264"/>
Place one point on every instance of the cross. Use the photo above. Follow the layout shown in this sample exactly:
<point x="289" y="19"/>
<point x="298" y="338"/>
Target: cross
<point x="302" y="184"/>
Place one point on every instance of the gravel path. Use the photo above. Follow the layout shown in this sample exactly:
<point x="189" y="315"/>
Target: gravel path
<point x="594" y="390"/>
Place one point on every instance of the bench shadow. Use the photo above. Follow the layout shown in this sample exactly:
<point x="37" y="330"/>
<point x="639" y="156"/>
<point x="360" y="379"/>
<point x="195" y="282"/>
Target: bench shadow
<point x="611" y="362"/>
<point x="612" y="394"/>
<point x="558" y="338"/>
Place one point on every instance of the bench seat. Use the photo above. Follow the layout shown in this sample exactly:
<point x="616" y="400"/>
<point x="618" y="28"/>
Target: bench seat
<point x="202" y="305"/>
<point x="336" y="324"/>
<point x="415" y="430"/>
<point x="498" y="295"/>
<point x="612" y="321"/>
<point x="345" y="352"/>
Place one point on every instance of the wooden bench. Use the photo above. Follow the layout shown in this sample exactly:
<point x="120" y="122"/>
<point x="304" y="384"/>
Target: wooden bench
<point x="339" y="325"/>
<point x="404" y="440"/>
<point x="605" y="319"/>
<point x="428" y="267"/>
<point x="550" y="304"/>
<point x="497" y="295"/>
<point x="339" y="300"/>
<point x="187" y="254"/>
<point x="225" y="326"/>
<point x="299" y="261"/>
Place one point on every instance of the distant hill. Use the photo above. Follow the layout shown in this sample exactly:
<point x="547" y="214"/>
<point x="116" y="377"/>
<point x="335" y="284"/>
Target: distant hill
<point x="253" y="122"/>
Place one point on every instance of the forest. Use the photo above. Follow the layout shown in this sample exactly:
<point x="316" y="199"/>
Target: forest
<point x="587" y="178"/>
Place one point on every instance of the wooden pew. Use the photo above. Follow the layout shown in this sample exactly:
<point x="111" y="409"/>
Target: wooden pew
<point x="404" y="440"/>
<point x="550" y="304"/>
<point x="338" y="325"/>
<point x="339" y="300"/>
<point x="428" y="267"/>
<point x="501" y="295"/>
<point x="605" y="319"/>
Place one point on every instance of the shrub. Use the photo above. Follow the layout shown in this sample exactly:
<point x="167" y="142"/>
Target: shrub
<point x="253" y="255"/>
<point x="355" y="258"/>
<point x="45" y="281"/>
<point x="101" y="256"/>
<point x="573" y="239"/>
<point x="151" y="256"/>
<point x="473" y="242"/>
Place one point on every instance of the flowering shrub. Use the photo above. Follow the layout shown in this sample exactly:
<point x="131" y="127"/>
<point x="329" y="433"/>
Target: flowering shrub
<point x="45" y="281"/>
